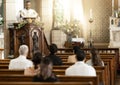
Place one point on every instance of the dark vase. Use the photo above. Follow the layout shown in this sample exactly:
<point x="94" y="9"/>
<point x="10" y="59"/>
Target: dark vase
<point x="69" y="38"/>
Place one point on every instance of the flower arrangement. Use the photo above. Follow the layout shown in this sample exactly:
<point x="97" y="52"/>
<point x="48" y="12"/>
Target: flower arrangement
<point x="71" y="28"/>
<point x="21" y="24"/>
<point x="24" y="22"/>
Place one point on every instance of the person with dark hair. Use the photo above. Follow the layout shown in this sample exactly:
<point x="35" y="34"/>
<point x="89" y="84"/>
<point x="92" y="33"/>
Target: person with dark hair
<point x="37" y="57"/>
<point x="80" y="68"/>
<point x="45" y="74"/>
<point x="54" y="58"/>
<point x="72" y="58"/>
<point x="95" y="58"/>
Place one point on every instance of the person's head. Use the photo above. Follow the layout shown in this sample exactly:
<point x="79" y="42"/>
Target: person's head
<point x="80" y="55"/>
<point x="23" y="50"/>
<point x="27" y="5"/>
<point x="53" y="48"/>
<point x="75" y="49"/>
<point x="96" y="60"/>
<point x="46" y="67"/>
<point x="37" y="59"/>
<point x="93" y="51"/>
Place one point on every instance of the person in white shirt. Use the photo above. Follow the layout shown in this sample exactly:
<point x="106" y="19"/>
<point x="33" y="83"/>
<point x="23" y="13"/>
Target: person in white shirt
<point x="21" y="62"/>
<point x="28" y="12"/>
<point x="80" y="68"/>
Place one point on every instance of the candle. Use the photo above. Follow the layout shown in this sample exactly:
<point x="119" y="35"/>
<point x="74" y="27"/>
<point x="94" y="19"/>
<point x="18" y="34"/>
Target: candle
<point x="91" y="14"/>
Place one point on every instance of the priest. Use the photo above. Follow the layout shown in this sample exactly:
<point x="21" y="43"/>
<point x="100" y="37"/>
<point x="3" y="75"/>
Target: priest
<point x="27" y="12"/>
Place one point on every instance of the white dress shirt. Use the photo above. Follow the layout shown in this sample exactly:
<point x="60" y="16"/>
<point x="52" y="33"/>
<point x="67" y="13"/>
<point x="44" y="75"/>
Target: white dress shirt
<point x="89" y="62"/>
<point x="20" y="63"/>
<point x="28" y="13"/>
<point x="80" y="69"/>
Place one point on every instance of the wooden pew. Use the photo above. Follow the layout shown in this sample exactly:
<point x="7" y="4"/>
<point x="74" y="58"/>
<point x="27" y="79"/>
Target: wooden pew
<point x="62" y="78"/>
<point x="100" y="72"/>
<point x="112" y="66"/>
<point x="100" y="50"/>
<point x="4" y="60"/>
<point x="46" y="83"/>
<point x="106" y="58"/>
<point x="8" y="72"/>
<point x="112" y="78"/>
<point x="2" y="66"/>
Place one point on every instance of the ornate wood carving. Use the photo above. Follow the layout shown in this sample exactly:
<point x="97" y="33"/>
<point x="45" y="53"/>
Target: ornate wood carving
<point x="30" y="35"/>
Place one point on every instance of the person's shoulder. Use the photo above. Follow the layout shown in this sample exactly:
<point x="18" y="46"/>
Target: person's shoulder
<point x="14" y="60"/>
<point x="70" y="67"/>
<point x="90" y="67"/>
<point x="22" y="10"/>
<point x="88" y="61"/>
<point x="69" y="70"/>
<point x="28" y="60"/>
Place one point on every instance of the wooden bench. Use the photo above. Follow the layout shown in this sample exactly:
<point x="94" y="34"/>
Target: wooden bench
<point x="111" y="69"/>
<point x="101" y="72"/>
<point x="112" y="66"/>
<point x="46" y="83"/>
<point x="62" y="78"/>
<point x="110" y="59"/>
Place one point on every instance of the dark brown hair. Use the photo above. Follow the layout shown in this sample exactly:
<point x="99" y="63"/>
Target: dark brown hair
<point x="96" y="60"/>
<point x="37" y="57"/>
<point x="46" y="68"/>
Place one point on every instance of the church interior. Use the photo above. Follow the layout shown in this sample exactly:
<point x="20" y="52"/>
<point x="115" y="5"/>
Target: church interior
<point x="66" y="23"/>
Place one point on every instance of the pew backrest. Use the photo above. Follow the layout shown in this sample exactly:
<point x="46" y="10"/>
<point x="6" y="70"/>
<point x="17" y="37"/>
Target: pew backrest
<point x="62" y="78"/>
<point x="46" y="83"/>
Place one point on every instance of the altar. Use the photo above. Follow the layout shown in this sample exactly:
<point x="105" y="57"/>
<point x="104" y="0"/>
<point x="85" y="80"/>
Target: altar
<point x="75" y="42"/>
<point x="114" y="30"/>
<point x="114" y="37"/>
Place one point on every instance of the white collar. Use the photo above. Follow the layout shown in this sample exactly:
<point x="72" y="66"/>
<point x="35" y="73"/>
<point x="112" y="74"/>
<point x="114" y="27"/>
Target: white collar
<point x="22" y="56"/>
<point x="80" y="62"/>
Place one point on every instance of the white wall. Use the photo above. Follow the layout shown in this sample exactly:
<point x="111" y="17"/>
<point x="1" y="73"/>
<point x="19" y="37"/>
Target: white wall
<point x="12" y="8"/>
<point x="47" y="17"/>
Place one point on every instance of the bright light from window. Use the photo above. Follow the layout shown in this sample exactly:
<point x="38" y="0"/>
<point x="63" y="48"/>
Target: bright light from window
<point x="78" y="10"/>
<point x="66" y="7"/>
<point x="73" y="10"/>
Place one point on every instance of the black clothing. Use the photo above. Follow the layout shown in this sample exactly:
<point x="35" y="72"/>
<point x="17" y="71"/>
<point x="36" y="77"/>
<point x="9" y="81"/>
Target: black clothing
<point x="55" y="59"/>
<point x="53" y="78"/>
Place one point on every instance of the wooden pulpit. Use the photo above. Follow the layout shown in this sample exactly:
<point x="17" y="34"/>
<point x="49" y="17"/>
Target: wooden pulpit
<point x="30" y="35"/>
